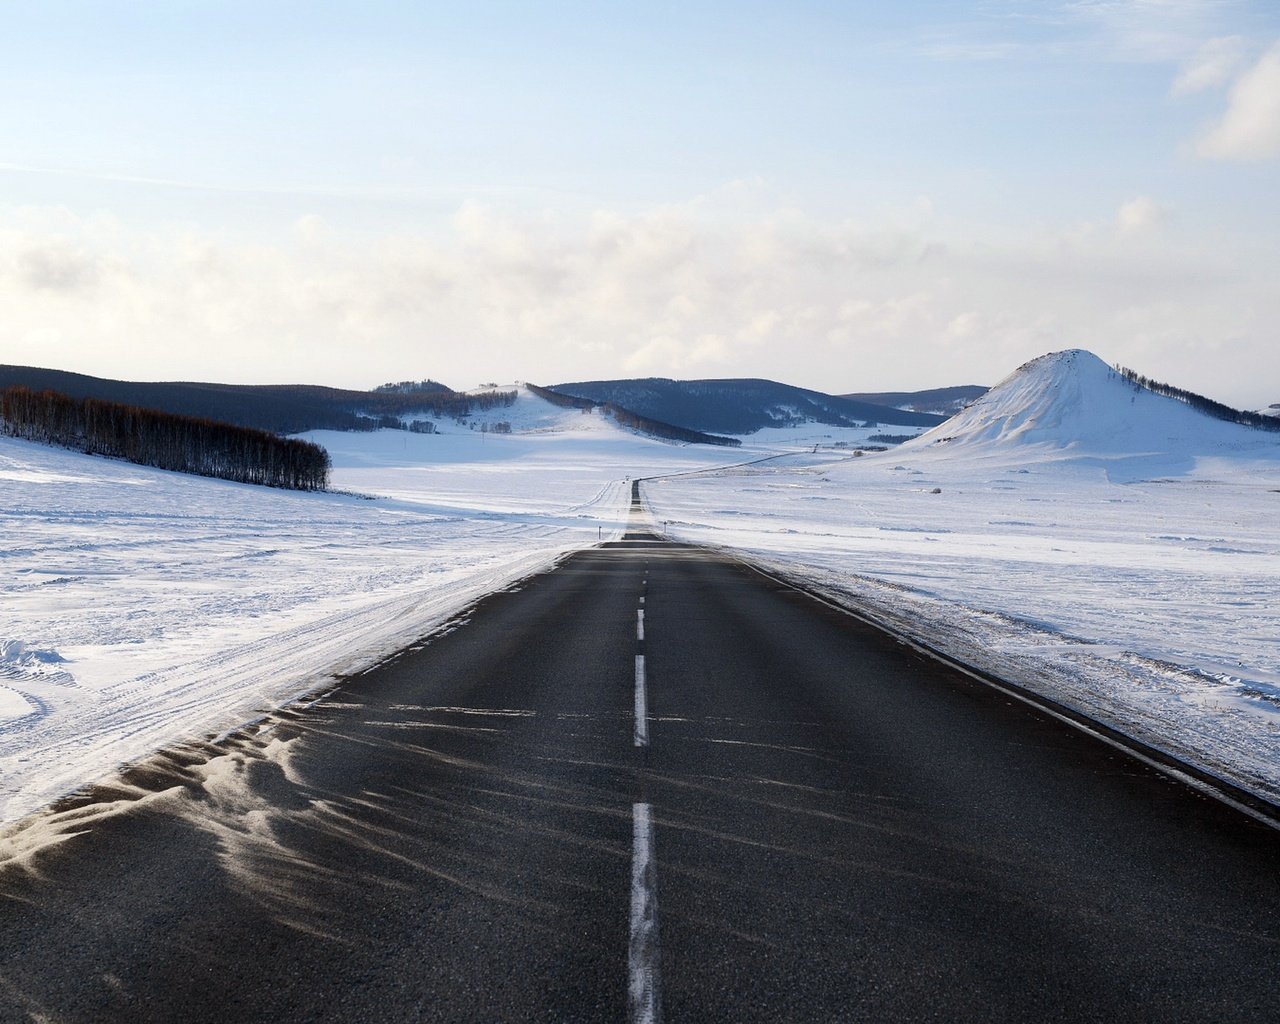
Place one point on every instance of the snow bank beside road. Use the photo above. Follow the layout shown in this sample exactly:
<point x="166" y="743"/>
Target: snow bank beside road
<point x="138" y="607"/>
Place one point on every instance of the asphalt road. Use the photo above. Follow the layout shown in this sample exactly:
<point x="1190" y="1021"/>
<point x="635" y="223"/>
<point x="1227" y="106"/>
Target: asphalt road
<point x="809" y="821"/>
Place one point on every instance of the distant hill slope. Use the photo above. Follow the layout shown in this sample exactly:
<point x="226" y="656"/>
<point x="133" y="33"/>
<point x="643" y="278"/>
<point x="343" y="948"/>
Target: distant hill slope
<point x="279" y="408"/>
<point x="297" y="408"/>
<point x="631" y="419"/>
<point x="940" y="401"/>
<point x="1075" y="404"/>
<point x="738" y="406"/>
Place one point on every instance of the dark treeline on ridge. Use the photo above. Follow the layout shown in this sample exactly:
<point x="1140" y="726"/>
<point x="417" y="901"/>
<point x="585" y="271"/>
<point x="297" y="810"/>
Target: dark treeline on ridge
<point x="412" y="387"/>
<point x="160" y="439"/>
<point x="633" y="420"/>
<point x="1206" y="405"/>
<point x="941" y="401"/>
<point x="561" y="399"/>
<point x="391" y="404"/>
<point x="656" y="428"/>
<point x="279" y="408"/>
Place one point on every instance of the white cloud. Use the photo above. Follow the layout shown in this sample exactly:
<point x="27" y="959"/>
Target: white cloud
<point x="56" y="265"/>
<point x="312" y="228"/>
<point x="964" y="326"/>
<point x="1139" y="214"/>
<point x="666" y="355"/>
<point x="1213" y="65"/>
<point x="1250" y="128"/>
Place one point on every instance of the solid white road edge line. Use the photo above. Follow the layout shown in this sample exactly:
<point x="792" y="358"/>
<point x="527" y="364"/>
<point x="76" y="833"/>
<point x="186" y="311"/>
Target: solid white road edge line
<point x="644" y="1003"/>
<point x="642" y="705"/>
<point x="1199" y="785"/>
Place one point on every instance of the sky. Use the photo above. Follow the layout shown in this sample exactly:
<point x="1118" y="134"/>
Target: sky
<point x="844" y="196"/>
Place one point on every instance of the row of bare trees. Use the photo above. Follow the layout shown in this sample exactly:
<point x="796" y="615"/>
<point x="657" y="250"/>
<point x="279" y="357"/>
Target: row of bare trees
<point x="393" y="403"/>
<point x="656" y="428"/>
<point x="1206" y="405"/>
<point x="164" y="440"/>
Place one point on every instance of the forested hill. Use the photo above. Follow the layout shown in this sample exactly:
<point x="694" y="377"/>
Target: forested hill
<point x="739" y="406"/>
<point x="941" y="401"/>
<point x="279" y="408"/>
<point x="164" y="440"/>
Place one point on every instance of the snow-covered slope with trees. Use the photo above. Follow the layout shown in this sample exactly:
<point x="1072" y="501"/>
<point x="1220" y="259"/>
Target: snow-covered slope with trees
<point x="1073" y="403"/>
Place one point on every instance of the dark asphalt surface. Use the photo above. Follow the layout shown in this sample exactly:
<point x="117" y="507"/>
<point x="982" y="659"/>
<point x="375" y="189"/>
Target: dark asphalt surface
<point x="843" y="830"/>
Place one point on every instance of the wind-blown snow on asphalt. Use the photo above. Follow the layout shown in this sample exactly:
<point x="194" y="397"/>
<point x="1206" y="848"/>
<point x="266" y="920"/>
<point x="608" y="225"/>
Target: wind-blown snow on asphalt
<point x="1112" y="548"/>
<point x="138" y="607"/>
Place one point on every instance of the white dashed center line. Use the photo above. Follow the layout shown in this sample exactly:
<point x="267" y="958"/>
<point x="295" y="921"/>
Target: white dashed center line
<point x="644" y="997"/>
<point x="642" y="705"/>
<point x="644" y="1003"/>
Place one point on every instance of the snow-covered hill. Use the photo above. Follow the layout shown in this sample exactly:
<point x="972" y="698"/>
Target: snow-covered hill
<point x="1072" y="407"/>
<point x="1073" y="399"/>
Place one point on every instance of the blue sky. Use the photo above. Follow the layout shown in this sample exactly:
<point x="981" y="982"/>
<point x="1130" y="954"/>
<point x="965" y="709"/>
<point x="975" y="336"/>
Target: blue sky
<point x="844" y="196"/>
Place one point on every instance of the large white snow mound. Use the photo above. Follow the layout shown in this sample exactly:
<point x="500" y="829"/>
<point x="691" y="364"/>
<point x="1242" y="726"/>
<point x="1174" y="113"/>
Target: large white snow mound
<point x="1074" y="401"/>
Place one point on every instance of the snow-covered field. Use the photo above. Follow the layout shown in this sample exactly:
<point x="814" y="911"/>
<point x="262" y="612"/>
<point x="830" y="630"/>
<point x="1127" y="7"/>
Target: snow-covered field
<point x="139" y="606"/>
<point x="1111" y="548"/>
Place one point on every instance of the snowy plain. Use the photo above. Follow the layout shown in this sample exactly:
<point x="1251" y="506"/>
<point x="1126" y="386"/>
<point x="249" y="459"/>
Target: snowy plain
<point x="139" y="607"/>
<point x="1110" y="548"/>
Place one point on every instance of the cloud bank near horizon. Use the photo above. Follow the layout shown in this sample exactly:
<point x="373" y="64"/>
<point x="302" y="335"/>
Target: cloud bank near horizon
<point x="678" y="291"/>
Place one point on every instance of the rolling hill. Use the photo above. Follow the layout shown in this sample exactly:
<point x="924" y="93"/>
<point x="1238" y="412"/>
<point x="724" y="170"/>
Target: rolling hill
<point x="939" y="401"/>
<point x="739" y="406"/>
<point x="298" y="408"/>
<point x="279" y="408"/>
